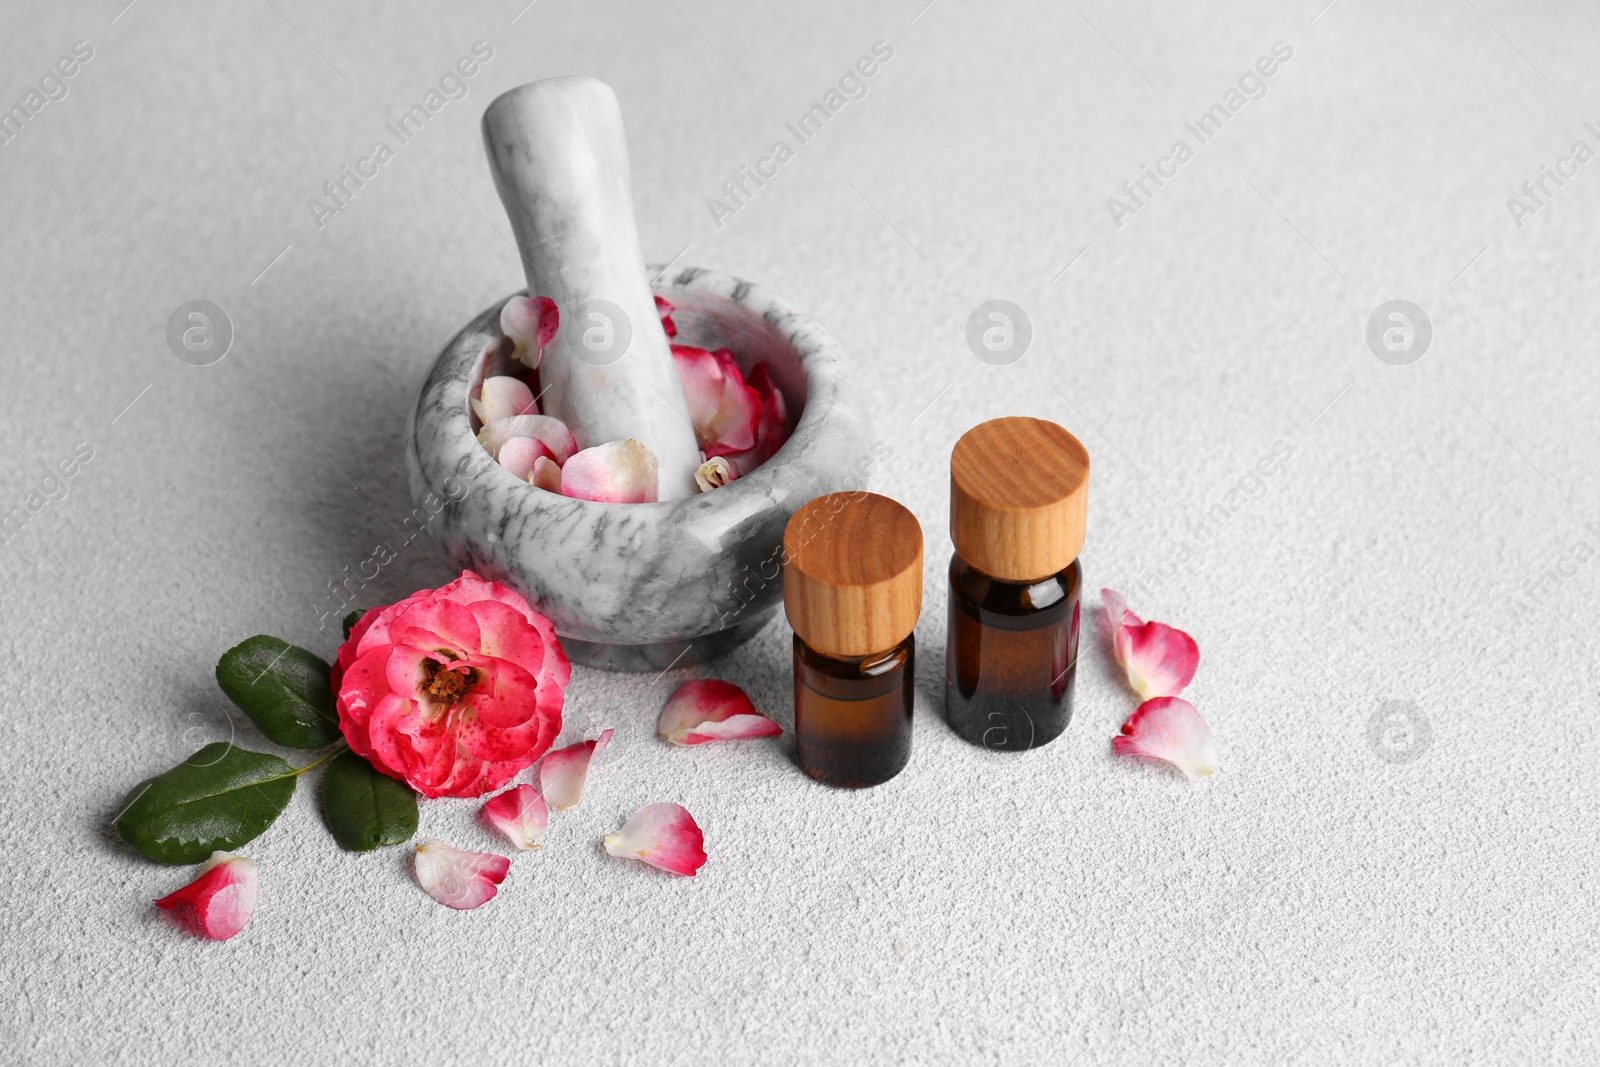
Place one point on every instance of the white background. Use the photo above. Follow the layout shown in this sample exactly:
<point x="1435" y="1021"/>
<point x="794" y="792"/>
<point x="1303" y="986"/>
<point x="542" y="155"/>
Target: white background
<point x="1316" y="902"/>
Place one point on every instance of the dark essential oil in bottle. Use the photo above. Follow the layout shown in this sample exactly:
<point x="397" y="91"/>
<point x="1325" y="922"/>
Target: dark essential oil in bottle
<point x="852" y="589"/>
<point x="1018" y="502"/>
<point x="852" y="714"/>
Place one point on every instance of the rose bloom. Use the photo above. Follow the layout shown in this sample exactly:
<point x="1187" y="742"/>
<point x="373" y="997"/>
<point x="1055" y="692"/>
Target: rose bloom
<point x="452" y="690"/>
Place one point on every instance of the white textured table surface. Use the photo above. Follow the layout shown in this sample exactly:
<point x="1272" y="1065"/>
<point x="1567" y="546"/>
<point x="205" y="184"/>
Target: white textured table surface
<point x="1324" y="899"/>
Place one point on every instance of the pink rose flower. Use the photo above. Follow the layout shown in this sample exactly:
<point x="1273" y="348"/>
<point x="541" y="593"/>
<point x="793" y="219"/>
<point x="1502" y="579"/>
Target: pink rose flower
<point x="452" y="690"/>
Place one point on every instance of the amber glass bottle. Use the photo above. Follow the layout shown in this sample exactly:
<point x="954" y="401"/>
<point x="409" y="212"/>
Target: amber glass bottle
<point x="852" y="589"/>
<point x="1019" y="492"/>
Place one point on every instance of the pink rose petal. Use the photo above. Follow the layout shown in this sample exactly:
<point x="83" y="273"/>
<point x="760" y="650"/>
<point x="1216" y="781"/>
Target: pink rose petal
<point x="519" y="454"/>
<point x="714" y="473"/>
<point x="521" y="814"/>
<point x="223" y="896"/>
<point x="1171" y="730"/>
<point x="710" y="710"/>
<point x="546" y="475"/>
<point x="665" y="310"/>
<point x="550" y="431"/>
<point x="530" y="323"/>
<point x="618" y="472"/>
<point x="1158" y="659"/>
<point x="563" y="772"/>
<point x="502" y="397"/>
<point x="457" y="878"/>
<point x="772" y="423"/>
<point x="724" y="410"/>
<point x="1115" y="609"/>
<point x="549" y="320"/>
<point x="662" y="835"/>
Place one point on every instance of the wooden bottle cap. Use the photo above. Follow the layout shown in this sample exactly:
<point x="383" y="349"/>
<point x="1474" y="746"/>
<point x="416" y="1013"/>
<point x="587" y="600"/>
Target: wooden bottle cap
<point x="1019" y="498"/>
<point x="852" y="573"/>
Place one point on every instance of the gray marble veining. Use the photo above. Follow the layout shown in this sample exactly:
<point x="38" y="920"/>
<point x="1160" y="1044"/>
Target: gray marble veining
<point x="641" y="586"/>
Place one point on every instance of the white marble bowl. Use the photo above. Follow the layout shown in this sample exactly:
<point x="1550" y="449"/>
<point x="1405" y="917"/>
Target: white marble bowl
<point x="644" y="586"/>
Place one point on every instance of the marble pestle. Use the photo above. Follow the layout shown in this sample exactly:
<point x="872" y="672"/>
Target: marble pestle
<point x="560" y="162"/>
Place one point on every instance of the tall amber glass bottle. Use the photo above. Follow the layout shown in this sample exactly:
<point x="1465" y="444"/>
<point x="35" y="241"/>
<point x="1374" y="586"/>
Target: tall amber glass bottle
<point x="852" y="589"/>
<point x="1019" y="492"/>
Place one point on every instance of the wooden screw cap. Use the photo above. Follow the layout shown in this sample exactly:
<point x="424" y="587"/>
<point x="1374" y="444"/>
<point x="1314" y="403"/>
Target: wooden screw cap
<point x="1019" y="498"/>
<point x="852" y="573"/>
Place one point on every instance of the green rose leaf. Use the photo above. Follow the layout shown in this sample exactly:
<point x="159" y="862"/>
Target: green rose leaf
<point x="365" y="808"/>
<point x="350" y="621"/>
<point x="218" y="798"/>
<point x="284" y="689"/>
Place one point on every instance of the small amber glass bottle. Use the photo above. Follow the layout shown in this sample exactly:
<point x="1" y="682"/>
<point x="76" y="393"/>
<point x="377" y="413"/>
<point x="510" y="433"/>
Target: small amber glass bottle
<point x="852" y="589"/>
<point x="1019" y="491"/>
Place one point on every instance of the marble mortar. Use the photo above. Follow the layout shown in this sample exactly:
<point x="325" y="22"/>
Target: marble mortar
<point x="645" y="586"/>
